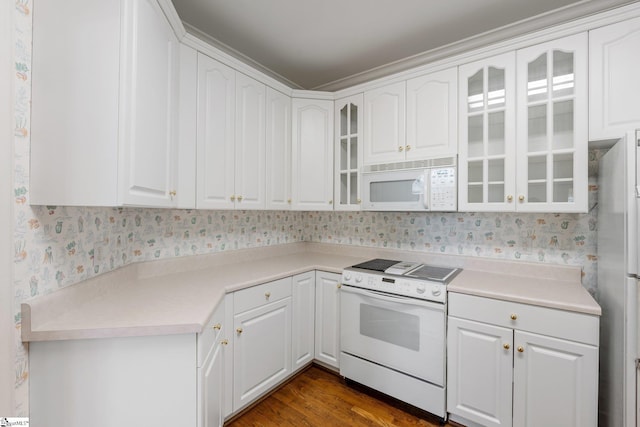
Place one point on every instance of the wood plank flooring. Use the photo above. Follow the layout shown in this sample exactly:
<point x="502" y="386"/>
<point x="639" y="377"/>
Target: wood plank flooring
<point x="319" y="398"/>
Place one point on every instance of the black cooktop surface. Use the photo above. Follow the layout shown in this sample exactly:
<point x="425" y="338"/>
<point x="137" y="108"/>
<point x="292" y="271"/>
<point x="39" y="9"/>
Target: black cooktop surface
<point x="377" y="264"/>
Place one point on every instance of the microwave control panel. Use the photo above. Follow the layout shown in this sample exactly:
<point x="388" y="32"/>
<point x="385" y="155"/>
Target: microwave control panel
<point x="444" y="190"/>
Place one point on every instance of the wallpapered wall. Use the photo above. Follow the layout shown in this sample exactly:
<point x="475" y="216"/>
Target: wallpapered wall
<point x="59" y="246"/>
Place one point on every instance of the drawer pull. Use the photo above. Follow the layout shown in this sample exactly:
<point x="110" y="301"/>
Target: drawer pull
<point x="520" y="349"/>
<point x="239" y="331"/>
<point x="506" y="346"/>
<point x="514" y="316"/>
<point x="217" y="326"/>
<point x="267" y="295"/>
<point x="224" y="342"/>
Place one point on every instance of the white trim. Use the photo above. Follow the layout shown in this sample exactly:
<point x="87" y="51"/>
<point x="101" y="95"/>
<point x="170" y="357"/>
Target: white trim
<point x="172" y="16"/>
<point x="7" y="351"/>
<point x="469" y="50"/>
<point x="583" y="16"/>
<point x="234" y="59"/>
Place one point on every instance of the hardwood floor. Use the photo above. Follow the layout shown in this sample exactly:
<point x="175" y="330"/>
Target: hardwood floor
<point x="320" y="398"/>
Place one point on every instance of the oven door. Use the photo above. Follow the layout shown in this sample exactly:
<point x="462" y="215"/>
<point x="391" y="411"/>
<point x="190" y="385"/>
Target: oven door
<point x="404" y="334"/>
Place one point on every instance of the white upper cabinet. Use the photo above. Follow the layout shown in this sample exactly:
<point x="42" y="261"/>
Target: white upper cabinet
<point x="278" y="150"/>
<point x="348" y="162"/>
<point x="104" y="105"/>
<point x="552" y="126"/>
<point x="312" y="151"/>
<point x="384" y="121"/>
<point x="614" y="61"/>
<point x="535" y="161"/>
<point x="250" y="143"/>
<point x="231" y="138"/>
<point x="216" y="134"/>
<point x="432" y="115"/>
<point x="188" y="108"/>
<point x="487" y="134"/>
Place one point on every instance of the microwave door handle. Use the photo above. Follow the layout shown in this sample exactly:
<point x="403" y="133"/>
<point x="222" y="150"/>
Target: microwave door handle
<point x="427" y="188"/>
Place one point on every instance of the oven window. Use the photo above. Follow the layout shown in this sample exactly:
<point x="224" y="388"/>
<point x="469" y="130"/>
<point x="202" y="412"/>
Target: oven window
<point x="392" y="191"/>
<point x="390" y="326"/>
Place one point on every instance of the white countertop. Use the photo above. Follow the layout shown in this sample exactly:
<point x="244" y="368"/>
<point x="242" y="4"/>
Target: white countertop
<point x="179" y="295"/>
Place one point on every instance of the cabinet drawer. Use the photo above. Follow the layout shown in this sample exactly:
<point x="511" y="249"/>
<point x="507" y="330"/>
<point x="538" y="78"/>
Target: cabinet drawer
<point x="211" y="333"/>
<point x="256" y="296"/>
<point x="568" y="325"/>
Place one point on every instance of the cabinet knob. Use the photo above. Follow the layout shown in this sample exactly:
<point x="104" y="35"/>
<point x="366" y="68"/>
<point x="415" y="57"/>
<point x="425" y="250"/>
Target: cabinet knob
<point x="520" y="349"/>
<point x="339" y="285"/>
<point x="408" y="147"/>
<point x="239" y="198"/>
<point x="172" y="193"/>
<point x="224" y="342"/>
<point x="217" y="326"/>
<point x="233" y="198"/>
<point x="521" y="198"/>
<point x="330" y="202"/>
<point x="358" y="201"/>
<point x="509" y="198"/>
<point x="506" y="346"/>
<point x="400" y="148"/>
<point x="239" y="331"/>
<point x="289" y="201"/>
<point x="267" y="295"/>
<point x="514" y="316"/>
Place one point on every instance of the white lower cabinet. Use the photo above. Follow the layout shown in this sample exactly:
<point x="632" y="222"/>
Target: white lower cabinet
<point x="512" y="364"/>
<point x="327" y="328"/>
<point x="304" y="300"/>
<point x="212" y="343"/>
<point x="262" y="340"/>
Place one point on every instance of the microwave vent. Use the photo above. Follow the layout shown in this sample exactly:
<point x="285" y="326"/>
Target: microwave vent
<point x="414" y="164"/>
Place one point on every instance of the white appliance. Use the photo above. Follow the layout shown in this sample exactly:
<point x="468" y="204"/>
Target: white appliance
<point x="392" y="336"/>
<point x="427" y="185"/>
<point x="618" y="198"/>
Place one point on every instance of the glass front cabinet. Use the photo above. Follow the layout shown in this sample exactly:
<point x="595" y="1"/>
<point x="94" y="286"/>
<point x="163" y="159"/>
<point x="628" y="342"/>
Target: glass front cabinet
<point x="553" y="126"/>
<point x="523" y="130"/>
<point x="487" y="134"/>
<point x="348" y="151"/>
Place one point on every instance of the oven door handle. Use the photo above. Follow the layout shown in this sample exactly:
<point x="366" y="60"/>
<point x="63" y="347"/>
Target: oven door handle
<point x="396" y="299"/>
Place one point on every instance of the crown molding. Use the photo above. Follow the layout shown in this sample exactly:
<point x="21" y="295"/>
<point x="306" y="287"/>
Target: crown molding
<point x="540" y="22"/>
<point x="172" y="16"/>
<point x="238" y="59"/>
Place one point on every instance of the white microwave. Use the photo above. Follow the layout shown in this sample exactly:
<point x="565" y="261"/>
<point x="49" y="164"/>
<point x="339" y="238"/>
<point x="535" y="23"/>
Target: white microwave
<point x="428" y="185"/>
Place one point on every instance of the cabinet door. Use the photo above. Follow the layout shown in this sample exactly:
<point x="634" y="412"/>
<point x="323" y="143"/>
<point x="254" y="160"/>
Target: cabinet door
<point x="487" y="134"/>
<point x="211" y="393"/>
<point x="552" y="126"/>
<point x="278" y="150"/>
<point x="432" y="115"/>
<point x="215" y="135"/>
<point x="348" y="161"/>
<point x="148" y="107"/>
<point x="262" y="350"/>
<point x="480" y="372"/>
<point x="312" y="184"/>
<point x="384" y="120"/>
<point x="555" y="382"/>
<point x="328" y="318"/>
<point x="250" y="143"/>
<point x="187" y="127"/>
<point x="614" y="86"/>
<point x="304" y="298"/>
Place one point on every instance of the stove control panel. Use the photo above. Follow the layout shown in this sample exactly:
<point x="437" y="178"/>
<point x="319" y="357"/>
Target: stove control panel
<point x="395" y="285"/>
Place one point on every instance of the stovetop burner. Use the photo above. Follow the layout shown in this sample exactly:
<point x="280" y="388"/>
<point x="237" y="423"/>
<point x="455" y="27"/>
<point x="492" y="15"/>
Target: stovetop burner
<point x="377" y="264"/>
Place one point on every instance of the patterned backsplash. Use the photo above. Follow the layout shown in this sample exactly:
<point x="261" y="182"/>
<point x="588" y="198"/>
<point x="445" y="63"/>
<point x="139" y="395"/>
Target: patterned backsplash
<point x="58" y="246"/>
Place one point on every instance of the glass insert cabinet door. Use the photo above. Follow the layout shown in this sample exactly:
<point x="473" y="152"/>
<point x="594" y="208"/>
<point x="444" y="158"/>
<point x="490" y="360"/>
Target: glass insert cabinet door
<point x="552" y="126"/>
<point x="349" y="114"/>
<point x="487" y="134"/>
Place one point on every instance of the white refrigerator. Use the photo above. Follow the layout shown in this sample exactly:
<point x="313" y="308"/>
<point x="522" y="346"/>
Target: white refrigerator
<point x="618" y="281"/>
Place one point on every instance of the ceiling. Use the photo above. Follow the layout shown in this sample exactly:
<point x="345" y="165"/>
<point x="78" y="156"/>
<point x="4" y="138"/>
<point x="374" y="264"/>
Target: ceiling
<point x="316" y="44"/>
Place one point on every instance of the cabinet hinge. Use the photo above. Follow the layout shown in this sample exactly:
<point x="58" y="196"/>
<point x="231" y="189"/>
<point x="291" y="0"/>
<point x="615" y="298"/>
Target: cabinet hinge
<point x="637" y="364"/>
